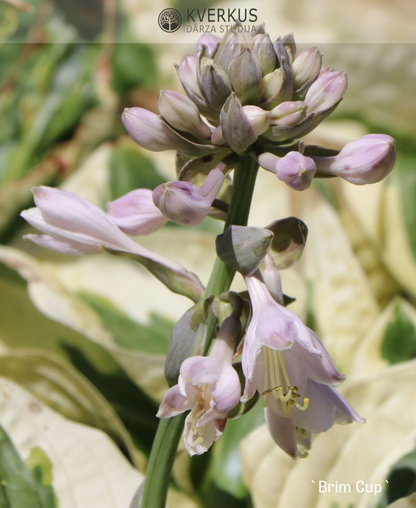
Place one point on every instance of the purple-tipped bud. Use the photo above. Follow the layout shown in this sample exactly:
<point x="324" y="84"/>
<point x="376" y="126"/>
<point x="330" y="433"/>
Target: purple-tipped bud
<point x="182" y="114"/>
<point x="187" y="74"/>
<point x="366" y="160"/>
<point x="150" y="131"/>
<point x="296" y="170"/>
<point x="258" y="119"/>
<point x="245" y="76"/>
<point x="327" y="90"/>
<point x="288" y="113"/>
<point x="135" y="213"/>
<point x="184" y="202"/>
<point x="210" y="42"/>
<point x="265" y="53"/>
<point x="306" y="67"/>
<point x="215" y="84"/>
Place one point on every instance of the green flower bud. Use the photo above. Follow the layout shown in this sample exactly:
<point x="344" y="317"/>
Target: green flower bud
<point x="245" y="77"/>
<point x="265" y="53"/>
<point x="235" y="124"/>
<point x="231" y="45"/>
<point x="214" y="84"/>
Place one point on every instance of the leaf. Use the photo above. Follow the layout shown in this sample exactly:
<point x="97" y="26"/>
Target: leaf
<point x="88" y="469"/>
<point x="188" y="338"/>
<point x="288" y="241"/>
<point x="152" y="337"/>
<point x="399" y="340"/>
<point x="19" y="486"/>
<point x="56" y="383"/>
<point x="243" y="248"/>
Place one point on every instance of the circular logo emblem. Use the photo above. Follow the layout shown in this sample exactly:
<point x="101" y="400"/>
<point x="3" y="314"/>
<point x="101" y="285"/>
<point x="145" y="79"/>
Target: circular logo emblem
<point x="170" y="20"/>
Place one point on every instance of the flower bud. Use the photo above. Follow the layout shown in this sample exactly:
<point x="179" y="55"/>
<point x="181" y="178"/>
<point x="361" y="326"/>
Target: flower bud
<point x="217" y="138"/>
<point x="258" y="119"/>
<point x="150" y="131"/>
<point x="236" y="128"/>
<point x="327" y="90"/>
<point x="366" y="160"/>
<point x="187" y="74"/>
<point x="288" y="113"/>
<point x="135" y="213"/>
<point x="296" y="170"/>
<point x="210" y="42"/>
<point x="273" y="87"/>
<point x="230" y="46"/>
<point x="265" y="53"/>
<point x="245" y="76"/>
<point x="215" y="85"/>
<point x="182" y="114"/>
<point x="184" y="202"/>
<point x="306" y="67"/>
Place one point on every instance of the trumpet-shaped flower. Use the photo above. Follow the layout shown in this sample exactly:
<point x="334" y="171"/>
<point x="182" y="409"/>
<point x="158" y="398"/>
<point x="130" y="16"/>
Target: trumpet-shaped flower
<point x="209" y="387"/>
<point x="288" y="365"/>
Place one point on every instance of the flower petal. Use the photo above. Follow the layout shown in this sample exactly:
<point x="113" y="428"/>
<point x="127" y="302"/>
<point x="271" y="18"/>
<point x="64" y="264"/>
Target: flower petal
<point x="173" y="403"/>
<point x="199" y="370"/>
<point x="282" y="431"/>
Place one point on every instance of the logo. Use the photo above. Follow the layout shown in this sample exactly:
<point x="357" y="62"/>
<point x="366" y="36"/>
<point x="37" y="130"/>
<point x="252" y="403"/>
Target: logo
<point x="170" y="20"/>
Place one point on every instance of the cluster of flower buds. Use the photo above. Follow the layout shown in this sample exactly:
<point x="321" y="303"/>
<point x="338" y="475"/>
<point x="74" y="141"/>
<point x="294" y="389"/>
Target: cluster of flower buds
<point x="248" y="94"/>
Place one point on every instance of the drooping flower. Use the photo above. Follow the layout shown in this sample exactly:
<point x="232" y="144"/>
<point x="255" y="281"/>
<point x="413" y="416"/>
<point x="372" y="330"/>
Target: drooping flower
<point x="296" y="170"/>
<point x="73" y="226"/>
<point x="209" y="387"/>
<point x="288" y="365"/>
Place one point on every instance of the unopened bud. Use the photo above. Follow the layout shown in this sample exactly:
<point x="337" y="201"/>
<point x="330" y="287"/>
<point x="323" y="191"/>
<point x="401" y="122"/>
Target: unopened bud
<point x="187" y="74"/>
<point x="258" y="119"/>
<point x="182" y="114"/>
<point x="265" y="53"/>
<point x="245" y="76"/>
<point x="306" y="67"/>
<point x="150" y="131"/>
<point x="273" y="86"/>
<point x="288" y="113"/>
<point x="235" y="124"/>
<point x="215" y="85"/>
<point x="294" y="169"/>
<point x="210" y="42"/>
<point x="184" y="202"/>
<point x="327" y="90"/>
<point x="366" y="160"/>
<point x="135" y="213"/>
<point x="230" y="46"/>
<point x="217" y="138"/>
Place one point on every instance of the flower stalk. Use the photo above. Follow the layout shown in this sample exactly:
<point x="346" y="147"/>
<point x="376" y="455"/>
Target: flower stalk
<point x="169" y="430"/>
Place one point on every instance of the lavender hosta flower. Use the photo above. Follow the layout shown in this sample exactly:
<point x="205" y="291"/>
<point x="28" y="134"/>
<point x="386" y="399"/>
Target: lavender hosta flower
<point x="287" y="364"/>
<point x="135" y="213"/>
<point x="306" y="67"/>
<point x="366" y="160"/>
<point x="296" y="170"/>
<point x="184" y="202"/>
<point x="288" y="113"/>
<point x="182" y="114"/>
<point x="150" y="131"/>
<point x="209" y="387"/>
<point x="73" y="226"/>
<point x="326" y="91"/>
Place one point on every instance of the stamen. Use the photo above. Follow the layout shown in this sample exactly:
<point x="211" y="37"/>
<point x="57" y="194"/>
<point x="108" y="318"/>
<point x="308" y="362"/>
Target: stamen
<point x="305" y="405"/>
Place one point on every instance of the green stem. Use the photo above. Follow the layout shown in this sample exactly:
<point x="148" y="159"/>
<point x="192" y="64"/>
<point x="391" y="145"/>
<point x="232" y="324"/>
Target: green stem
<point x="169" y="430"/>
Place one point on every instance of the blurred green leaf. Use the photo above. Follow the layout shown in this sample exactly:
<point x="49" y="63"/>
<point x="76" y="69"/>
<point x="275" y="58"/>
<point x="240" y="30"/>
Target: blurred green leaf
<point x="130" y="169"/>
<point x="401" y="480"/>
<point x="19" y="486"/>
<point x="151" y="338"/>
<point x="134" y="66"/>
<point x="406" y="173"/>
<point x="399" y="341"/>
